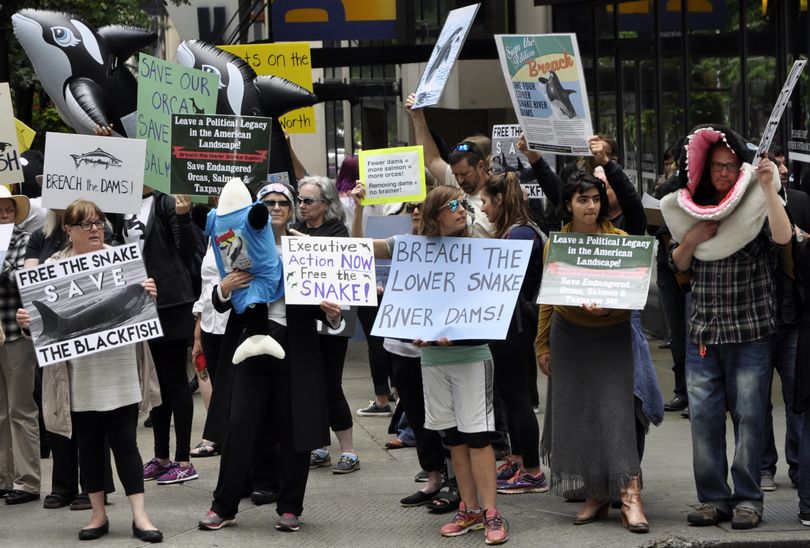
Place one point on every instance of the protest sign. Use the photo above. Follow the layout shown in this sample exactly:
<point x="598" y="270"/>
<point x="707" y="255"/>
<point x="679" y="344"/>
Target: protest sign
<point x="209" y="150"/>
<point x="340" y="270"/>
<point x="164" y="89"/>
<point x="393" y="175"/>
<point x="507" y="157"/>
<point x="444" y="55"/>
<point x="25" y="136"/>
<point x="5" y="237"/>
<point x="547" y="85"/>
<point x="289" y="60"/>
<point x="105" y="170"/>
<point x="347" y="327"/>
<point x="10" y="167"/>
<point x="778" y="109"/>
<point x="610" y="270"/>
<point x="379" y="227"/>
<point x="459" y="288"/>
<point x="88" y="303"/>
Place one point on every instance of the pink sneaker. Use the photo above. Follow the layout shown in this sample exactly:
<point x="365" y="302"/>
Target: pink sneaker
<point x="464" y="522"/>
<point x="496" y="526"/>
<point x="177" y="473"/>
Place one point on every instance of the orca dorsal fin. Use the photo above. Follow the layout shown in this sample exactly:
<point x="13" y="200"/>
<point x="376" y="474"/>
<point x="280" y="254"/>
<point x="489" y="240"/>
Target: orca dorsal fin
<point x="569" y="91"/>
<point x="51" y="321"/>
<point x="124" y="41"/>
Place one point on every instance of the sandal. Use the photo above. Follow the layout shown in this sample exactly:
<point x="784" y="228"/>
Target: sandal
<point x="444" y="502"/>
<point x="205" y="449"/>
<point x="418" y="499"/>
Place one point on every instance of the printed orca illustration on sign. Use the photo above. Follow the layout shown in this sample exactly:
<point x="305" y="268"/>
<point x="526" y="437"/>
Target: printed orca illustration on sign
<point x="83" y="69"/>
<point x="5" y="146"/>
<point x="444" y="53"/>
<point x="97" y="157"/>
<point x="558" y="95"/>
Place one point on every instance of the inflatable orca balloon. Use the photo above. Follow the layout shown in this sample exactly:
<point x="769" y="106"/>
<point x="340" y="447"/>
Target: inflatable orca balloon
<point x="82" y="69"/>
<point x="241" y="91"/>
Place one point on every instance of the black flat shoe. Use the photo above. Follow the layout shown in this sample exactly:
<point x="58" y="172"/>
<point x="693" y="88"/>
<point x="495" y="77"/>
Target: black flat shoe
<point x="263" y="496"/>
<point x="94" y="533"/>
<point x="153" y="535"/>
<point x="678" y="403"/>
<point x="20" y="497"/>
<point x="54" y="501"/>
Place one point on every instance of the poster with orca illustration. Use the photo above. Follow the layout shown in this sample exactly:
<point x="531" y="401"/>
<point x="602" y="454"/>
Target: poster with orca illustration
<point x="105" y="170"/>
<point x="547" y="85"/>
<point x="88" y="303"/>
<point x="10" y="166"/>
<point x="444" y="55"/>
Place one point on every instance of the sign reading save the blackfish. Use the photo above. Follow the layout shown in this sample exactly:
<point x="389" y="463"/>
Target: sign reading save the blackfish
<point x="210" y="150"/>
<point x="459" y="288"/>
<point x="88" y="303"/>
<point x="609" y="270"/>
<point x="105" y="170"/>
<point x="340" y="270"/>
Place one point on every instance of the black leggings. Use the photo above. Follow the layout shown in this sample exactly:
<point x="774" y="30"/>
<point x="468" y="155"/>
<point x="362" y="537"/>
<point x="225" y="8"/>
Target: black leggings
<point x="333" y="352"/>
<point x="170" y="363"/>
<point x="118" y="426"/>
<point x="379" y="359"/>
<point x="514" y="358"/>
<point x="65" y="474"/>
<point x="408" y="380"/>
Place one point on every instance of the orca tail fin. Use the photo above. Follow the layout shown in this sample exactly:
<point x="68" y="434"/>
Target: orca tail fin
<point x="51" y="321"/>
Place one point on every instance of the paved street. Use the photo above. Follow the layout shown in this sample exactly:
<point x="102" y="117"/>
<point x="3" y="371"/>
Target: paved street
<point x="361" y="509"/>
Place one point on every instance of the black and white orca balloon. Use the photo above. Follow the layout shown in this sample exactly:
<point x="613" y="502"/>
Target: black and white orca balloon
<point x="241" y="91"/>
<point x="82" y="69"/>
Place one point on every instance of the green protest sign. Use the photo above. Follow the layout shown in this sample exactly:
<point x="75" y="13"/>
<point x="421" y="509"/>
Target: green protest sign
<point x="610" y="270"/>
<point x="210" y="150"/>
<point x="164" y="89"/>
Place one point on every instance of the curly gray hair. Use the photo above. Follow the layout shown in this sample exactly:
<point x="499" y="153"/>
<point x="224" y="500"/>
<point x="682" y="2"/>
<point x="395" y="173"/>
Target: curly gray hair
<point x="329" y="194"/>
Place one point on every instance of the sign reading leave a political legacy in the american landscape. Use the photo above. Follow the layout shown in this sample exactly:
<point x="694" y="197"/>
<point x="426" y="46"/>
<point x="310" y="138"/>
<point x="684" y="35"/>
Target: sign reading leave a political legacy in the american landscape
<point x="393" y="174"/>
<point x="547" y="85"/>
<point x="105" y="170"/>
<point x="209" y="150"/>
<point x="164" y="89"/>
<point x="459" y="288"/>
<point x="609" y="270"/>
<point x="444" y="55"/>
<point x="340" y="270"/>
<point x="88" y="303"/>
<point x="10" y="167"/>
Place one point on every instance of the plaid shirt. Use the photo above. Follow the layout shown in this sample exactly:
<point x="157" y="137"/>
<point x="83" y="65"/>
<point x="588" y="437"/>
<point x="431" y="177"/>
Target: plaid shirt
<point x="734" y="299"/>
<point x="9" y="295"/>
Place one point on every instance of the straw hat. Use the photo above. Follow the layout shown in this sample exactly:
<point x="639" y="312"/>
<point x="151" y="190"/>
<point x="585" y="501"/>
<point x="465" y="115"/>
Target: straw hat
<point x="22" y="203"/>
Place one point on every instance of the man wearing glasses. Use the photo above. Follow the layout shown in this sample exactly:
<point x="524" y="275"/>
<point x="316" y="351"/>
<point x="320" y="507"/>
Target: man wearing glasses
<point x="467" y="167"/>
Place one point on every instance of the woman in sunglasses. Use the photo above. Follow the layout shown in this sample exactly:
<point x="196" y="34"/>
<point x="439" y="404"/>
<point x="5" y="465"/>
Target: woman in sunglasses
<point x="589" y="433"/>
<point x="515" y="369"/>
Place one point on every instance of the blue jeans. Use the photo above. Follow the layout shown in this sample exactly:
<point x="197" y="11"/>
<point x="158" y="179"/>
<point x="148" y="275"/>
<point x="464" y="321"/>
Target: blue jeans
<point x="735" y="375"/>
<point x="784" y="362"/>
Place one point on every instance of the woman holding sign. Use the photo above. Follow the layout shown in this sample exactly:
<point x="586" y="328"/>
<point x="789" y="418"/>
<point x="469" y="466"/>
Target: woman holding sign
<point x="103" y="391"/>
<point x="589" y="435"/>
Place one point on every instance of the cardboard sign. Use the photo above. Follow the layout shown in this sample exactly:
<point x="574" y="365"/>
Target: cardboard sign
<point x="5" y="237"/>
<point x="25" y="135"/>
<point x="547" y="86"/>
<point x="460" y="288"/>
<point x="778" y="109"/>
<point x="88" y="303"/>
<point x="393" y="175"/>
<point x="289" y="60"/>
<point x="610" y="270"/>
<point x="10" y="166"/>
<point x="340" y="270"/>
<point x="379" y="227"/>
<point x="105" y="170"/>
<point x="507" y="157"/>
<point x="210" y="150"/>
<point x="347" y="327"/>
<point x="164" y="89"/>
<point x="444" y="55"/>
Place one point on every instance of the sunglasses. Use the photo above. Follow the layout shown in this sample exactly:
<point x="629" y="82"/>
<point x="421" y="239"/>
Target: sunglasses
<point x="274" y="203"/>
<point x="310" y="201"/>
<point x="453" y="205"/>
<point x="410" y="208"/>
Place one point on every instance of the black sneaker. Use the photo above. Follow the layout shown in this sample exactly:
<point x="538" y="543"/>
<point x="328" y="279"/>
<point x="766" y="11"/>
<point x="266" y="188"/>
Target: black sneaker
<point x="804" y="517"/>
<point x="375" y="410"/>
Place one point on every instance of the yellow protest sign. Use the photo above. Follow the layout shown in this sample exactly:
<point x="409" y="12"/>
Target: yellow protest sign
<point x="393" y="175"/>
<point x="25" y="135"/>
<point x="290" y="60"/>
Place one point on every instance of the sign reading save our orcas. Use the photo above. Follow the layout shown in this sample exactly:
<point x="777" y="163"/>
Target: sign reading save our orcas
<point x="210" y="150"/>
<point x="459" y="288"/>
<point x="88" y="303"/>
<point x="393" y="175"/>
<point x="340" y="270"/>
<point x="610" y="270"/>
<point x="164" y="89"/>
<point x="105" y="170"/>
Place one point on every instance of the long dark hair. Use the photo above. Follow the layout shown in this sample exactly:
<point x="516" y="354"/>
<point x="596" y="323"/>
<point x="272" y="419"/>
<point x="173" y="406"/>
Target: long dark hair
<point x="513" y="206"/>
<point x="578" y="183"/>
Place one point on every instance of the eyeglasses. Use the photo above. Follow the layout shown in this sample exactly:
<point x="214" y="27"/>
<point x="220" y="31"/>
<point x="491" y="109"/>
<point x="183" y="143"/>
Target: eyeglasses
<point x="453" y="205"/>
<point x="273" y="203"/>
<point x="310" y="201"/>
<point x="731" y="167"/>
<point x="410" y="208"/>
<point x="87" y="227"/>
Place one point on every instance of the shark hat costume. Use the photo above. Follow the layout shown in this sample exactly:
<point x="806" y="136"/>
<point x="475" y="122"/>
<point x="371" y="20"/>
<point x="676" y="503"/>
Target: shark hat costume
<point x="243" y="240"/>
<point x="82" y="69"/>
<point x="741" y="213"/>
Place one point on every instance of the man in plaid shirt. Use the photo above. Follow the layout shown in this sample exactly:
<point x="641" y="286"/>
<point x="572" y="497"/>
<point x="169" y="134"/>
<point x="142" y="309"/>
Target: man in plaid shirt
<point x="729" y="239"/>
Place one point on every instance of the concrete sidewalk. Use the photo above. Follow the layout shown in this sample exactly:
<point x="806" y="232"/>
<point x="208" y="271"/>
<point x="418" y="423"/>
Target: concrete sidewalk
<point x="362" y="509"/>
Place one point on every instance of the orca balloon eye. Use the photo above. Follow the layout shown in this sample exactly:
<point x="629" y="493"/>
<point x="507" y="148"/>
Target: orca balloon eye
<point x="64" y="37"/>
